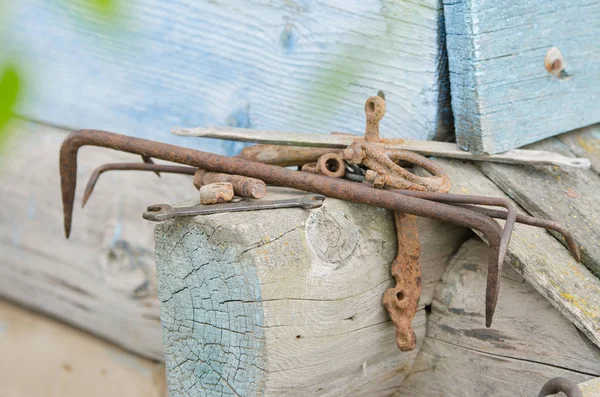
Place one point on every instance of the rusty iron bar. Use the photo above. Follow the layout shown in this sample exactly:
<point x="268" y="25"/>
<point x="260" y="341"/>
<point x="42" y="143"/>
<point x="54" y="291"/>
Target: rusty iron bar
<point x="402" y="300"/>
<point x="284" y="156"/>
<point x="147" y="165"/>
<point x="242" y="185"/>
<point x="561" y="384"/>
<point x="274" y="175"/>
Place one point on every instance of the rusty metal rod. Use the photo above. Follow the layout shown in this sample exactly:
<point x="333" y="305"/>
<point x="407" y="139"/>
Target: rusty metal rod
<point x="494" y="273"/>
<point x="242" y="185"/>
<point x="146" y="166"/>
<point x="331" y="187"/>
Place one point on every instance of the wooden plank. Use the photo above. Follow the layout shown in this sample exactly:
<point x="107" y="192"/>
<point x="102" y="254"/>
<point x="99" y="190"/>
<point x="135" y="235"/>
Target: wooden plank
<point x="287" y="302"/>
<point x="584" y="142"/>
<point x="529" y="342"/>
<point x="43" y="358"/>
<point x="540" y="259"/>
<point x="426" y="148"/>
<point x="286" y="65"/>
<point x="103" y="279"/>
<point x="502" y="95"/>
<point x="569" y="197"/>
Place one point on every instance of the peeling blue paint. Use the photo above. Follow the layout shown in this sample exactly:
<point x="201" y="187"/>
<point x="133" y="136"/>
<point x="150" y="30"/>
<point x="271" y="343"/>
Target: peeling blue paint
<point x="288" y="38"/>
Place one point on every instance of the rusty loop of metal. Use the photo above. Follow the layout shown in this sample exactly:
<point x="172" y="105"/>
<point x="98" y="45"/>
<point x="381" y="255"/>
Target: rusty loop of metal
<point x="561" y="384"/>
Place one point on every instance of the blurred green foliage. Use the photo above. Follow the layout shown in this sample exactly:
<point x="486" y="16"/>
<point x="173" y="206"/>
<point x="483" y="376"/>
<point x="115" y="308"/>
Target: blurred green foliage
<point x="10" y="88"/>
<point x="12" y="78"/>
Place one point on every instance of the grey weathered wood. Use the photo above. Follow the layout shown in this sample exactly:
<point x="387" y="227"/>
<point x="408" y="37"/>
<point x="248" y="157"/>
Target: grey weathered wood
<point x="426" y="148"/>
<point x="298" y="65"/>
<point x="287" y="302"/>
<point x="585" y="143"/>
<point x="569" y="197"/>
<point x="529" y="342"/>
<point x="540" y="259"/>
<point x="103" y="278"/>
<point x="502" y="95"/>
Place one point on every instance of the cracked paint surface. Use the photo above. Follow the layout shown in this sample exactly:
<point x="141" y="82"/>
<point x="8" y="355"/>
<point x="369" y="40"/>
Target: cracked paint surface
<point x="210" y="314"/>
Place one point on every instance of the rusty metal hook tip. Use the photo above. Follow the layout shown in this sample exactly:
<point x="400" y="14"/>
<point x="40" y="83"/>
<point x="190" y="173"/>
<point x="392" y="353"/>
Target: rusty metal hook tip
<point x="148" y="165"/>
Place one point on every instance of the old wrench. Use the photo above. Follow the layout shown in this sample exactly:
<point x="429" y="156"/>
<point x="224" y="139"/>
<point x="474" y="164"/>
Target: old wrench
<point x="162" y="212"/>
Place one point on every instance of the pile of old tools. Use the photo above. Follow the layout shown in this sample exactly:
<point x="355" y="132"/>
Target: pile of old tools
<point x="363" y="171"/>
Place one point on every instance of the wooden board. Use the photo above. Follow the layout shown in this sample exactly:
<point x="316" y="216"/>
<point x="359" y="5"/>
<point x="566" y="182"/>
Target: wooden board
<point x="541" y="259"/>
<point x="569" y="197"/>
<point x="529" y="342"/>
<point x="103" y="279"/>
<point x="288" y="302"/>
<point x="43" y="358"/>
<point x="502" y="95"/>
<point x="284" y="65"/>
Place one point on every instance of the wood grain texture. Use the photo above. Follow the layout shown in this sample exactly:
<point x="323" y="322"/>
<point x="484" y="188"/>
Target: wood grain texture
<point x="569" y="197"/>
<point x="584" y="142"/>
<point x="103" y="278"/>
<point x="529" y="342"/>
<point x="288" y="302"/>
<point x="502" y="95"/>
<point x="44" y="358"/>
<point x="285" y="65"/>
<point x="541" y="259"/>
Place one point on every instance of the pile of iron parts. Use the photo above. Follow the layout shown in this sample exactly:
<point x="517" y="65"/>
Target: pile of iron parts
<point x="364" y="172"/>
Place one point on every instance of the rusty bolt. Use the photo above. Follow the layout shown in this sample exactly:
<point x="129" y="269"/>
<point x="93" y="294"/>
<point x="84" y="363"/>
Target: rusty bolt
<point x="554" y="62"/>
<point x="219" y="192"/>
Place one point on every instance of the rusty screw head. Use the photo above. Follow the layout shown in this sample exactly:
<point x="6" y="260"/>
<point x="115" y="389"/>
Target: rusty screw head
<point x="554" y="62"/>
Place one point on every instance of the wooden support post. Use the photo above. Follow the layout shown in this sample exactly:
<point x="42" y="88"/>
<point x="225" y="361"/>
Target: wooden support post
<point x="288" y="302"/>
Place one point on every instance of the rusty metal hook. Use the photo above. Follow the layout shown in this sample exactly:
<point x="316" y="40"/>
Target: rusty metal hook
<point x="278" y="176"/>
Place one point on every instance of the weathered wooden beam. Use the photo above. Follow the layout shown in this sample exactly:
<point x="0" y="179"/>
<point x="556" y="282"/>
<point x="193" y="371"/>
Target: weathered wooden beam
<point x="529" y="343"/>
<point x="288" y="302"/>
<point x="272" y="65"/>
<point x="540" y="258"/>
<point x="502" y="95"/>
<point x="107" y="263"/>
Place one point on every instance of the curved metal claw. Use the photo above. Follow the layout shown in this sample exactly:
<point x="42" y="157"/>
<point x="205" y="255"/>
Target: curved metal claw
<point x="146" y="166"/>
<point x="561" y="384"/>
